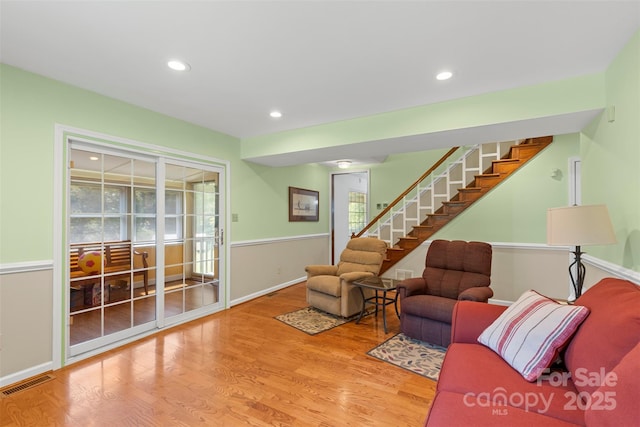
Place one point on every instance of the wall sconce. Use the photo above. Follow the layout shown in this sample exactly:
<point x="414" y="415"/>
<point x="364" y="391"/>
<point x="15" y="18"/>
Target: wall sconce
<point x="344" y="164"/>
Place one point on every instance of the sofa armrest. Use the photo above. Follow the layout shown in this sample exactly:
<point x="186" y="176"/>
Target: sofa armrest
<point x="321" y="270"/>
<point x="411" y="286"/>
<point x="471" y="318"/>
<point x="479" y="293"/>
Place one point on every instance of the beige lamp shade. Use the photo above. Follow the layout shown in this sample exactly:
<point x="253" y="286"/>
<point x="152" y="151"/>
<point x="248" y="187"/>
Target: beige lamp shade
<point x="579" y="226"/>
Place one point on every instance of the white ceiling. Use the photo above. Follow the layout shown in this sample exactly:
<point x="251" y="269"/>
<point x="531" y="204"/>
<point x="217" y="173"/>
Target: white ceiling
<point x="316" y="61"/>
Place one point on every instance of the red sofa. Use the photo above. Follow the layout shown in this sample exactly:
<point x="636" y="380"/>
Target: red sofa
<point x="600" y="387"/>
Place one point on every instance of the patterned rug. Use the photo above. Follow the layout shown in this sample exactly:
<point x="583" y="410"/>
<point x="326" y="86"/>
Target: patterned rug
<point x="414" y="355"/>
<point x="311" y="320"/>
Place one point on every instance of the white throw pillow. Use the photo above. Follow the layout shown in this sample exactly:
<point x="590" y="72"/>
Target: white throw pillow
<point x="530" y="333"/>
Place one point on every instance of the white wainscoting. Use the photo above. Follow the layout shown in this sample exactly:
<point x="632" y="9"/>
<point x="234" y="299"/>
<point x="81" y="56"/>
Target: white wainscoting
<point x="260" y="267"/>
<point x="26" y="294"/>
<point x="517" y="267"/>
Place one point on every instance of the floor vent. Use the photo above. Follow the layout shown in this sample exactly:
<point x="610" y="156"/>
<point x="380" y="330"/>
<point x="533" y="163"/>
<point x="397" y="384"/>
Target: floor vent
<point x="271" y="294"/>
<point x="26" y="385"/>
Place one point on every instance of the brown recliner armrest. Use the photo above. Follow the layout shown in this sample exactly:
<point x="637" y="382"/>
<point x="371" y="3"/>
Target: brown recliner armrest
<point x="355" y="275"/>
<point x="479" y="294"/>
<point x="321" y="270"/>
<point x="412" y="286"/>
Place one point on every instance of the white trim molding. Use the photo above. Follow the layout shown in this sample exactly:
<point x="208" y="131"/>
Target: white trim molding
<point x="277" y="240"/>
<point x="25" y="374"/>
<point x="26" y="267"/>
<point x="266" y="291"/>
<point x="614" y="269"/>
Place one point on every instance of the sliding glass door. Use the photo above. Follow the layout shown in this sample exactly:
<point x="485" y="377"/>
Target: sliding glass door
<point x="192" y="256"/>
<point x="143" y="244"/>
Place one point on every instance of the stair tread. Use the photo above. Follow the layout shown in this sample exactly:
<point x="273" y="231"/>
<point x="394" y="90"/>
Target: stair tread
<point x="488" y="175"/>
<point x="408" y="238"/>
<point x="507" y="160"/>
<point x="470" y="189"/>
<point x="530" y="144"/>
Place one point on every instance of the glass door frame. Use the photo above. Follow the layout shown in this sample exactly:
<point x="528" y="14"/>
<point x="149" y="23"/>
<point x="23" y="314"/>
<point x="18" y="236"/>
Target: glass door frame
<point x="106" y="339"/>
<point x="60" y="310"/>
<point x="191" y="314"/>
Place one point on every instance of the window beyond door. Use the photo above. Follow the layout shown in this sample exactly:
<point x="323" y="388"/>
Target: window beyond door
<point x="357" y="211"/>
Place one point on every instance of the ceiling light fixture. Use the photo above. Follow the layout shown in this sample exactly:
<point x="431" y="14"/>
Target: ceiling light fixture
<point x="94" y="158"/>
<point x="445" y="75"/>
<point x="275" y="114"/>
<point x="174" y="64"/>
<point x="344" y="164"/>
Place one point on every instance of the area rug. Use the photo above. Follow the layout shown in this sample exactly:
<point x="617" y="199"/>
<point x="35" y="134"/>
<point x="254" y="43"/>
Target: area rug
<point x="311" y="320"/>
<point x="414" y="355"/>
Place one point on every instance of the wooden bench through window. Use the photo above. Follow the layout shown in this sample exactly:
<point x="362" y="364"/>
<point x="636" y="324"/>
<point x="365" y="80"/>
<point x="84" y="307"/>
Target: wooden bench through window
<point x="116" y="258"/>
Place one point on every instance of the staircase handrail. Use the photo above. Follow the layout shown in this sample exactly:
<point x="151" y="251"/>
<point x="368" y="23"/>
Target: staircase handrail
<point x="407" y="191"/>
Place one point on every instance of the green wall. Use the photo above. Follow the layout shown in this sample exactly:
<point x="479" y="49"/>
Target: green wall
<point x="543" y="100"/>
<point x="31" y="106"/>
<point x="397" y="173"/>
<point x="516" y="210"/>
<point x="610" y="154"/>
<point x="261" y="199"/>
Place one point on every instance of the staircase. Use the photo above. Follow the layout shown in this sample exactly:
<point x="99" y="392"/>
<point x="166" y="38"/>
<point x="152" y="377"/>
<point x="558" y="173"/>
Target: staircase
<point x="445" y="191"/>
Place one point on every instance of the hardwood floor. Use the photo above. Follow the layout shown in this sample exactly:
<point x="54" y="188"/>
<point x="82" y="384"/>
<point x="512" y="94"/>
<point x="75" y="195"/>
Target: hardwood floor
<point x="234" y="368"/>
<point x="118" y="316"/>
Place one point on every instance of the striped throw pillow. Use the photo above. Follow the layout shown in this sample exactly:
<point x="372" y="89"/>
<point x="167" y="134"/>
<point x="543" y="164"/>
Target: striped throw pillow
<point x="531" y="332"/>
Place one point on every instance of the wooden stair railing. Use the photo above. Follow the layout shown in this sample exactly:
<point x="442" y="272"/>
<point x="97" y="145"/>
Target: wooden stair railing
<point x="412" y="232"/>
<point x="401" y="197"/>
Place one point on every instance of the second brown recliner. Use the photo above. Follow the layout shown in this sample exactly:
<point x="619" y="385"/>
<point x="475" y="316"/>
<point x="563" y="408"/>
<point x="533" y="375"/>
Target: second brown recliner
<point x="454" y="270"/>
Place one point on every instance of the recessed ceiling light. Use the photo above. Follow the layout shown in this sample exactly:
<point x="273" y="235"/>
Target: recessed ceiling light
<point x="445" y="75"/>
<point x="174" y="64"/>
<point x="275" y="114"/>
<point x="344" y="164"/>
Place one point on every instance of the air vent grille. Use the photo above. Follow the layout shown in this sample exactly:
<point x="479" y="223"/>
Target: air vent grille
<point x="26" y="385"/>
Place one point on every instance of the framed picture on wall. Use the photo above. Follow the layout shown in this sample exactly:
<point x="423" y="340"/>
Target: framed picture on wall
<point x="303" y="204"/>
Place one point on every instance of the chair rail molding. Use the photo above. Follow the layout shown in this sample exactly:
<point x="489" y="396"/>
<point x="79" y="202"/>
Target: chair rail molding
<point x="614" y="269"/>
<point x="277" y="240"/>
<point x="25" y="267"/>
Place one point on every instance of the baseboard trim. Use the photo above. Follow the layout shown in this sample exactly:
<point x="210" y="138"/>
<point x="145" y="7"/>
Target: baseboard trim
<point x="25" y="374"/>
<point x="266" y="291"/>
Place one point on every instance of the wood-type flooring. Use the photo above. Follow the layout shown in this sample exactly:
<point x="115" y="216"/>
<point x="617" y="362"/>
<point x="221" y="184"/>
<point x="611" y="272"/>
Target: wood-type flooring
<point x="239" y="367"/>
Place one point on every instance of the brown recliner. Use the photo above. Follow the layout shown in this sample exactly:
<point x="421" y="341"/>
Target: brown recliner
<point x="454" y="270"/>
<point x="329" y="287"/>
